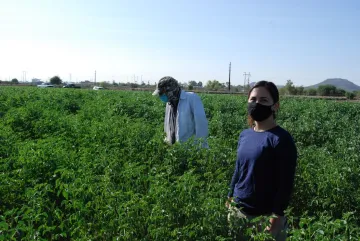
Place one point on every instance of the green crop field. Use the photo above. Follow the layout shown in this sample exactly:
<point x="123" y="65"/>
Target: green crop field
<point x="92" y="165"/>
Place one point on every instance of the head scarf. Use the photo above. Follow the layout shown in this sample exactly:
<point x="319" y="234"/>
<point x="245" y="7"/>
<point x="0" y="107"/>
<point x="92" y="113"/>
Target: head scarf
<point x="171" y="87"/>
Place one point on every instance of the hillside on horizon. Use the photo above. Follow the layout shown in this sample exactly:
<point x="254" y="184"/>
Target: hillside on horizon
<point x="338" y="83"/>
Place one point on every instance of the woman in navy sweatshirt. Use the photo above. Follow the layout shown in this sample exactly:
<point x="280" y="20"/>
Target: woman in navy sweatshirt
<point x="263" y="179"/>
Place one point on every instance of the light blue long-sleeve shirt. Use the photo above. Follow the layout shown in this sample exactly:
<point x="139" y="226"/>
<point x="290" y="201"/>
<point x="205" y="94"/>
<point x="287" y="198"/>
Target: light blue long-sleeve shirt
<point x="190" y="119"/>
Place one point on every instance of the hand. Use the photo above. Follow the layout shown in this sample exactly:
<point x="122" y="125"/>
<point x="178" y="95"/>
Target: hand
<point x="166" y="142"/>
<point x="274" y="225"/>
<point x="227" y="203"/>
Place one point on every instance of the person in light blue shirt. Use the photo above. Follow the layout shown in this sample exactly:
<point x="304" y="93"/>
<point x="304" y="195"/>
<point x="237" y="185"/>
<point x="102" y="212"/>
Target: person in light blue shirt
<point x="184" y="114"/>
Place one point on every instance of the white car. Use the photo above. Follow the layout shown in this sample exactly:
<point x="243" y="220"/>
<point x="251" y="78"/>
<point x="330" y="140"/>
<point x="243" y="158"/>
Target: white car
<point x="45" y="85"/>
<point x="98" y="88"/>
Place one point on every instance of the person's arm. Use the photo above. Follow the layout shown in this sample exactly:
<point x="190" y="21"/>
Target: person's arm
<point x="201" y="123"/>
<point x="234" y="178"/>
<point x="285" y="165"/>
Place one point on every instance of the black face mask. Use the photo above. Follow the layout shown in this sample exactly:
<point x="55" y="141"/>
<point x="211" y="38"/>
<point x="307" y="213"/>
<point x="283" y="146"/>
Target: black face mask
<point x="258" y="111"/>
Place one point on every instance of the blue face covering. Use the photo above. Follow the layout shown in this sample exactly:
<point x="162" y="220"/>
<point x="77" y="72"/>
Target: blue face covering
<point x="164" y="98"/>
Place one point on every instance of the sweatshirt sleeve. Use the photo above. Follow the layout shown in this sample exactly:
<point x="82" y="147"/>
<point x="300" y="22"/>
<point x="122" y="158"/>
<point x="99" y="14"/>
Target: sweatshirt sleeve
<point x="285" y="165"/>
<point x="234" y="179"/>
<point x="235" y="176"/>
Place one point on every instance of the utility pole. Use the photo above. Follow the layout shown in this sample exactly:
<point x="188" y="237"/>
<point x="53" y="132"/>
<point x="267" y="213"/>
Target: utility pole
<point x="248" y="80"/>
<point x="95" y="77"/>
<point x="23" y="79"/>
<point x="244" y="81"/>
<point x="229" y="76"/>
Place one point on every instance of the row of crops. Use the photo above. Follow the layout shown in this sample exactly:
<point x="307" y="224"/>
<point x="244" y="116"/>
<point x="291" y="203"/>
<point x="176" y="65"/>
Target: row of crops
<point x="89" y="165"/>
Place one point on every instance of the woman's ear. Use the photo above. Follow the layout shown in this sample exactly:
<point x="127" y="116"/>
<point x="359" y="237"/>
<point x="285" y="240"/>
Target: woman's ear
<point x="276" y="106"/>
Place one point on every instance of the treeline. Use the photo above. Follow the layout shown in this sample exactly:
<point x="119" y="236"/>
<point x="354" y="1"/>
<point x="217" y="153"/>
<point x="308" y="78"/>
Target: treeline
<point x="55" y="80"/>
<point x="215" y="85"/>
<point x="322" y="90"/>
<point x="11" y="82"/>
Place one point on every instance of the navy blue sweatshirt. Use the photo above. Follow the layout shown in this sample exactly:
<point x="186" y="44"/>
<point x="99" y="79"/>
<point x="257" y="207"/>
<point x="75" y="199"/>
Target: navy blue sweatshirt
<point x="264" y="172"/>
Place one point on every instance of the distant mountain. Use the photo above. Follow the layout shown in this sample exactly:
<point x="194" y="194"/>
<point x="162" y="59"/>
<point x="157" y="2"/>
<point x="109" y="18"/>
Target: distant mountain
<point x="338" y="83"/>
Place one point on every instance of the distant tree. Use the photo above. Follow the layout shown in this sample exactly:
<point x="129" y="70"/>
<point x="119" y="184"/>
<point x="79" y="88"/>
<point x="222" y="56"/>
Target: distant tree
<point x="350" y="95"/>
<point x="55" y="80"/>
<point x="326" y="90"/>
<point x="192" y="82"/>
<point x="300" y="90"/>
<point x="142" y="83"/>
<point x="294" y="91"/>
<point x="213" y="85"/>
<point x="282" y="91"/>
<point x="200" y="84"/>
<point x="238" y="88"/>
<point x="14" y="81"/>
<point x="190" y="87"/>
<point x="134" y="85"/>
<point x="340" y="92"/>
<point x="311" y="92"/>
<point x="290" y="88"/>
<point x="357" y="93"/>
<point x="102" y="84"/>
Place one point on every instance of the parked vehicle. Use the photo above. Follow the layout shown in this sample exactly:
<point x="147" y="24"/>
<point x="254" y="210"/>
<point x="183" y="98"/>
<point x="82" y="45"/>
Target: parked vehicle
<point x="45" y="85"/>
<point x="71" y="86"/>
<point x="98" y="88"/>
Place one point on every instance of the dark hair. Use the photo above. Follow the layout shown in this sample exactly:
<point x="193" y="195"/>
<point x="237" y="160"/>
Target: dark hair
<point x="273" y="91"/>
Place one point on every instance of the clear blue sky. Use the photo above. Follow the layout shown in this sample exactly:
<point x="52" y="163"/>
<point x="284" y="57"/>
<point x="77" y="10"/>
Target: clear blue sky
<point x="306" y="41"/>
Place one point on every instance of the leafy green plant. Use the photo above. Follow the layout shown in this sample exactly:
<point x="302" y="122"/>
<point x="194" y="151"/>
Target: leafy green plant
<point x="89" y="165"/>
